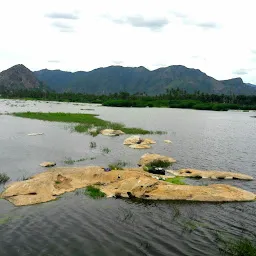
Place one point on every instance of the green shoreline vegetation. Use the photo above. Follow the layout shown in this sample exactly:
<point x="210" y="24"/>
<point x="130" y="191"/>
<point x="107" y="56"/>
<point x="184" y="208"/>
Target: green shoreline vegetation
<point x="94" y="192"/>
<point x="173" y="98"/>
<point x="87" y="123"/>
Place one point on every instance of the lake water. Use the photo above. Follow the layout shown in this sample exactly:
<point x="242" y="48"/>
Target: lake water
<point x="77" y="225"/>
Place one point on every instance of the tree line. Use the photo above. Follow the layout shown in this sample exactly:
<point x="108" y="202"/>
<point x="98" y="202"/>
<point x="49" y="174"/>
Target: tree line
<point x="174" y="98"/>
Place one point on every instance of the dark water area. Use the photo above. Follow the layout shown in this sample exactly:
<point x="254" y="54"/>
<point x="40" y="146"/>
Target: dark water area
<point x="77" y="225"/>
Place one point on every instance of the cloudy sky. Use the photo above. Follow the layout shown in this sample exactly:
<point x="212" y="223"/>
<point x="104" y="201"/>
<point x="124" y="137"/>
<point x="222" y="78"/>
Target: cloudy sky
<point x="215" y="36"/>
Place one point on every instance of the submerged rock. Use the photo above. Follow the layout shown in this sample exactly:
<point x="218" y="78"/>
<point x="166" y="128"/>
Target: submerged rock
<point x="140" y="146"/>
<point x="47" y="164"/>
<point x="46" y="186"/>
<point x="149" y="158"/>
<point x="138" y="140"/>
<point x="111" y="132"/>
<point x="211" y="174"/>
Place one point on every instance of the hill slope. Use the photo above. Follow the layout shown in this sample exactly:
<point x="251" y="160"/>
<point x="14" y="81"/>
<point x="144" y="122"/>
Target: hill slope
<point x="138" y="80"/>
<point x="18" y="77"/>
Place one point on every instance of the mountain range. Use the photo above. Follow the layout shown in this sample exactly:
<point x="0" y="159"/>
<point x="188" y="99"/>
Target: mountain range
<point x="116" y="79"/>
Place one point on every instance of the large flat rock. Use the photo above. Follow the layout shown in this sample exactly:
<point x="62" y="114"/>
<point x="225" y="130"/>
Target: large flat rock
<point x="46" y="186"/>
<point x="149" y="158"/>
<point x="193" y="173"/>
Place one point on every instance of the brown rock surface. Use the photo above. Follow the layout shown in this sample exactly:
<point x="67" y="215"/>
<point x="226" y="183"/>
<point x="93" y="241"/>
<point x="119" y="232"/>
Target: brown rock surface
<point x="211" y="174"/>
<point x="47" y="164"/>
<point x="111" y="132"/>
<point x="140" y="146"/>
<point x="134" y="139"/>
<point x="46" y="186"/>
<point x="149" y="158"/>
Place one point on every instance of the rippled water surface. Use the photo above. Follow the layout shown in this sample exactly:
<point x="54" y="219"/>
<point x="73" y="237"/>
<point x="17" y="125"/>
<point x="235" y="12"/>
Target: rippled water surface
<point x="77" y="225"/>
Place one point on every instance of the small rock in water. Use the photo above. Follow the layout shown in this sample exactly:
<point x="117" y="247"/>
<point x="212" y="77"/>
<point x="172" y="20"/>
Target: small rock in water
<point x="167" y="141"/>
<point x="34" y="134"/>
<point x="47" y="164"/>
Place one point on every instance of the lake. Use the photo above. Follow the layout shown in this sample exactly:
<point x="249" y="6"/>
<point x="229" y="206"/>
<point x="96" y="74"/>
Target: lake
<point x="78" y="225"/>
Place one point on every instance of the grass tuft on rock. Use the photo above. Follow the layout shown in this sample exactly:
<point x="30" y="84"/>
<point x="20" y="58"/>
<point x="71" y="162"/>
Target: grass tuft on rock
<point x="160" y="163"/>
<point x="4" y="178"/>
<point x="119" y="165"/>
<point x="87" y="123"/>
<point x="94" y="192"/>
<point x="176" y="180"/>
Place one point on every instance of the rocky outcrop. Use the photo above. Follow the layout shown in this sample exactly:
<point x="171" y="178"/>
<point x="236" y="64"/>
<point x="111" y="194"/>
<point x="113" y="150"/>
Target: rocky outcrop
<point x="149" y="158"/>
<point x="46" y="186"/>
<point x="48" y="164"/>
<point x="111" y="132"/>
<point x="135" y="139"/>
<point x="138" y="143"/>
<point x="140" y="146"/>
<point x="19" y="77"/>
<point x="211" y="174"/>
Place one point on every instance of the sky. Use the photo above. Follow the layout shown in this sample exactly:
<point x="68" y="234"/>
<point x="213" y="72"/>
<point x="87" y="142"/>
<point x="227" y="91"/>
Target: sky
<point x="216" y="36"/>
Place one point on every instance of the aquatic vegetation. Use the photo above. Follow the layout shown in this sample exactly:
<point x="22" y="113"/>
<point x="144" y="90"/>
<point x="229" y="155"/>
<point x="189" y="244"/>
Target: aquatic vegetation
<point x="4" y="178"/>
<point x="119" y="165"/>
<point x="159" y="163"/>
<point x="176" y="180"/>
<point x="4" y="220"/>
<point x="241" y="247"/>
<point x="94" y="192"/>
<point x="24" y="177"/>
<point x="69" y="160"/>
<point x="106" y="150"/>
<point x="87" y="123"/>
<point x="93" y="144"/>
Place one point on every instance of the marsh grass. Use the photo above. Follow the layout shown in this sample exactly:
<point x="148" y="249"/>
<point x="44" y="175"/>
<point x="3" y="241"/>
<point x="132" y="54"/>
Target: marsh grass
<point x="87" y="123"/>
<point x="71" y="161"/>
<point x="159" y="163"/>
<point x="24" y="177"/>
<point x="242" y="247"/>
<point x="93" y="144"/>
<point x="4" y="220"/>
<point x="176" y="180"/>
<point x="119" y="165"/>
<point x="106" y="150"/>
<point x="94" y="192"/>
<point x="4" y="178"/>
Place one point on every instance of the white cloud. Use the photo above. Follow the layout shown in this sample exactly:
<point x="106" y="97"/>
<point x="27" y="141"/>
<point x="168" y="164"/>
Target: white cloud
<point x="214" y="36"/>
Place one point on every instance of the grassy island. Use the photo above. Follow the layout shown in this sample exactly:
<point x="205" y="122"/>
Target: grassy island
<point x="88" y="123"/>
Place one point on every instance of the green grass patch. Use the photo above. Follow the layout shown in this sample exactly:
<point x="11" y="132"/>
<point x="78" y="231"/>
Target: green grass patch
<point x="4" y="178"/>
<point x="87" y="123"/>
<point x="176" y="180"/>
<point x="119" y="165"/>
<point x="160" y="163"/>
<point x="94" y="192"/>
<point x="57" y="182"/>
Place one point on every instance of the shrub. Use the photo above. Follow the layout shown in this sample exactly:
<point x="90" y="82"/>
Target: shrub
<point x="94" y="192"/>
<point x="4" y="178"/>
